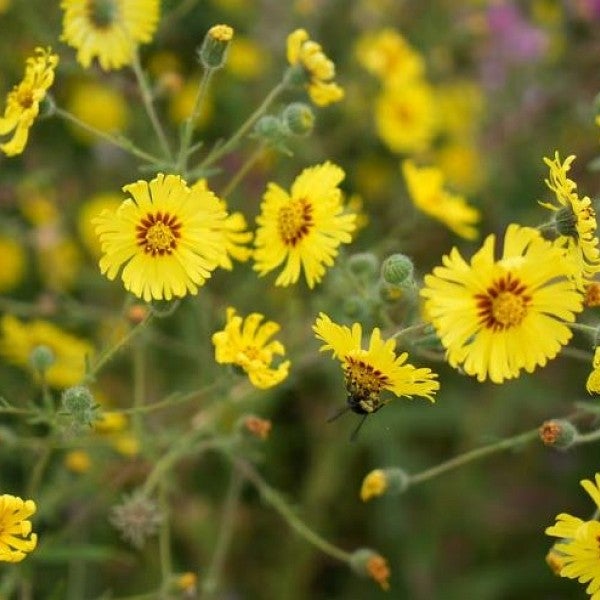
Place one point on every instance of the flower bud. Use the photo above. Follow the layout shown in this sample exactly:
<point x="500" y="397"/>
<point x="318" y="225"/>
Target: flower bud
<point x="78" y="403"/>
<point x="255" y="426"/>
<point x="555" y="560"/>
<point x="558" y="433"/>
<point x="364" y="265"/>
<point x="213" y="52"/>
<point x="136" y="313"/>
<point x="368" y="563"/>
<point x="378" y="482"/>
<point x="41" y="358"/>
<point x="592" y="294"/>
<point x="136" y="518"/>
<point x="269" y="127"/>
<point x="397" y="270"/>
<point x="298" y="118"/>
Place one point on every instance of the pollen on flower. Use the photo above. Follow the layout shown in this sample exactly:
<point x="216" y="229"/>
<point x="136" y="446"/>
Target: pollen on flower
<point x="158" y="233"/>
<point x="504" y="304"/>
<point x="295" y="221"/>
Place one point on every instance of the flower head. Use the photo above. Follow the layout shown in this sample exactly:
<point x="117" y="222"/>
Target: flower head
<point x="496" y="317"/>
<point x="319" y="69"/>
<point x="16" y="538"/>
<point x="426" y="188"/>
<point x="303" y="228"/>
<point x="20" y="339"/>
<point x="374" y="484"/>
<point x="108" y="30"/>
<point x="369" y="372"/>
<point x="13" y="263"/>
<point x="578" y="549"/>
<point x="167" y="236"/>
<point x="575" y="220"/>
<point x="244" y="342"/>
<point x="23" y="102"/>
<point x="593" y="381"/>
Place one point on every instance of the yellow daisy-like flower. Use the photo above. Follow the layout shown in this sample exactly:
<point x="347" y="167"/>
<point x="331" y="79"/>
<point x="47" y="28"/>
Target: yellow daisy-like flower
<point x="16" y="539"/>
<point x="496" y="317"/>
<point x="109" y="30"/>
<point x="235" y="234"/>
<point x="20" y="339"/>
<point x="426" y="189"/>
<point x="244" y="342"/>
<point x="406" y="117"/>
<point x="303" y="228"/>
<point x="319" y="69"/>
<point x="388" y="55"/>
<point x="579" y="549"/>
<point x="168" y="236"/>
<point x="23" y="102"/>
<point x="575" y="220"/>
<point x="369" y="372"/>
<point x="593" y="381"/>
<point x="13" y="263"/>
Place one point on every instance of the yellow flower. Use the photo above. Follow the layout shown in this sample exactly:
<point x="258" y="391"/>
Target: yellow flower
<point x="388" y="55"/>
<point x="234" y="233"/>
<point x="245" y="343"/>
<point x="579" y="549"/>
<point x="303" y="228"/>
<point x="59" y="260"/>
<point x="463" y="165"/>
<point x="23" y="102"/>
<point x="496" y="317"/>
<point x="246" y="59"/>
<point x="319" y="69"/>
<point x="13" y="263"/>
<point x="78" y="461"/>
<point x="593" y="381"/>
<point x="16" y="539"/>
<point x="405" y="117"/>
<point x="369" y="372"/>
<point x="90" y="209"/>
<point x="167" y="236"/>
<point x="373" y="485"/>
<point x="574" y="219"/>
<point x="426" y="189"/>
<point x="460" y="107"/>
<point x="98" y="105"/>
<point x="109" y="30"/>
<point x="20" y="339"/>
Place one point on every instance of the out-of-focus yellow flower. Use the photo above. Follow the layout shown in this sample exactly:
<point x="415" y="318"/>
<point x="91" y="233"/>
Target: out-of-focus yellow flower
<point x="110" y="30"/>
<point x="460" y="106"/>
<point x="356" y="205"/>
<point x="246" y="59"/>
<point x="182" y="102"/>
<point x="373" y="177"/>
<point x="12" y="263"/>
<point x="126" y="444"/>
<point x="389" y="56"/>
<point x="593" y="381"/>
<point x="90" y="209"/>
<point x="463" y="166"/>
<point x="38" y="206"/>
<point x="406" y="117"/>
<point x="78" y="461"/>
<point x="23" y="101"/>
<point x="19" y="339"/>
<point x="373" y="485"/>
<point x="98" y="105"/>
<point x="110" y="422"/>
<point x="319" y="69"/>
<point x="5" y="5"/>
<point x="16" y="539"/>
<point x="59" y="261"/>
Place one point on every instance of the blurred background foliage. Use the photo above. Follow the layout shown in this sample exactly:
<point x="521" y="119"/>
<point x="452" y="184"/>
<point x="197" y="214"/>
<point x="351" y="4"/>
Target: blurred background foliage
<point x="513" y="82"/>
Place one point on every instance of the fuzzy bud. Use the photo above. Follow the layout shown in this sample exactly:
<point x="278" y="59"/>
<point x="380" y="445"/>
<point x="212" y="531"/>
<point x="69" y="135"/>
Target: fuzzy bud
<point x="298" y="119"/>
<point x="364" y="265"/>
<point x="41" y="358"/>
<point x="397" y="270"/>
<point x="137" y="518"/>
<point x="213" y="52"/>
<point x="79" y="404"/>
<point x="137" y="313"/>
<point x="558" y="433"/>
<point x="368" y="563"/>
<point x="355" y="307"/>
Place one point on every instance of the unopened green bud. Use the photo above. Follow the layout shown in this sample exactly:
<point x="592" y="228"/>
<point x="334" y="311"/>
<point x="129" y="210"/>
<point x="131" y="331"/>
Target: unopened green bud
<point x="269" y="128"/>
<point x="565" y="222"/>
<point x="364" y="265"/>
<point x="79" y="403"/>
<point x="296" y="76"/>
<point x="397" y="269"/>
<point x="41" y="358"/>
<point x="558" y="433"/>
<point x="213" y="52"/>
<point x="298" y="118"/>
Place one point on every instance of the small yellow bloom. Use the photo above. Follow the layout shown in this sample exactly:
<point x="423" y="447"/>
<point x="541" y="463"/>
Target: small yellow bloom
<point x="78" y="461"/>
<point x="319" y="69"/>
<point x="187" y="582"/>
<point x="23" y="102"/>
<point x="247" y="59"/>
<point x="379" y="571"/>
<point x="593" y="381"/>
<point x="20" y="339"/>
<point x="221" y="33"/>
<point x="126" y="444"/>
<point x="110" y="422"/>
<point x="244" y="342"/>
<point x="304" y="228"/>
<point x="12" y="263"/>
<point x="108" y="30"/>
<point x="426" y="189"/>
<point x="373" y="485"/>
<point x="461" y="106"/>
<point x="59" y="261"/>
<point x="463" y="165"/>
<point x="16" y="539"/>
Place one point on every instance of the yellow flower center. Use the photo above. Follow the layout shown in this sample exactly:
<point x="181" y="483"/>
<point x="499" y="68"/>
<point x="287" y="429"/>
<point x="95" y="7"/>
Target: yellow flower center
<point x="363" y="384"/>
<point x="25" y="97"/>
<point x="295" y="221"/>
<point x="102" y="13"/>
<point x="504" y="305"/>
<point x="158" y="233"/>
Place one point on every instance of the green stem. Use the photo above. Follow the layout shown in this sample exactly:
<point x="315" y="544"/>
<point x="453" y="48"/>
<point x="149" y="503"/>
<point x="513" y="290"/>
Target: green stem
<point x="586" y="438"/>
<point x="164" y="538"/>
<point x="139" y="385"/>
<point x="108" y="354"/>
<point x="232" y="142"/>
<point x="38" y="469"/>
<point x="242" y="171"/>
<point x="417" y="328"/>
<point x="149" y="104"/>
<point x="478" y="453"/>
<point x="212" y="577"/>
<point x="272" y="497"/>
<point x="124" y="144"/>
<point x="188" y="129"/>
<point x="583" y="327"/>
